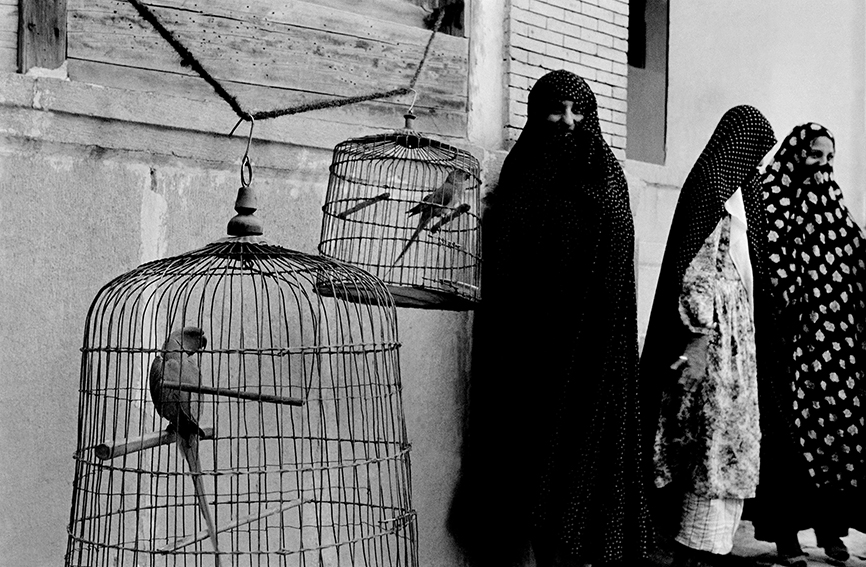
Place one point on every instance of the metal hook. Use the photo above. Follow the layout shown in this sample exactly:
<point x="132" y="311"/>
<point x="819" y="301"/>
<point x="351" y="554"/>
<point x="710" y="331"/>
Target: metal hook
<point x="250" y="137"/>
<point x="414" y="98"/>
<point x="246" y="164"/>
<point x="246" y="171"/>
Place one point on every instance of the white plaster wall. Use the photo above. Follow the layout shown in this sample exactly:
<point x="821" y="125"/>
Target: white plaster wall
<point x="795" y="60"/>
<point x="487" y="53"/>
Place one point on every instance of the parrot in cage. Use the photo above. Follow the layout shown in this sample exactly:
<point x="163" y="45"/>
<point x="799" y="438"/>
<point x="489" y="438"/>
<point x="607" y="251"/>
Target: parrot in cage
<point x="437" y="203"/>
<point x="181" y="408"/>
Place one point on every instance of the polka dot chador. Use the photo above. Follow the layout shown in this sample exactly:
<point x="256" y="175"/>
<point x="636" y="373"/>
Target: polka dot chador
<point x="730" y="159"/>
<point x="558" y="285"/>
<point x="817" y="255"/>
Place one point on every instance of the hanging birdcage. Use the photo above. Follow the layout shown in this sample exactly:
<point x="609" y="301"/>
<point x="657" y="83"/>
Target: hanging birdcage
<point x="406" y="208"/>
<point x="230" y="414"/>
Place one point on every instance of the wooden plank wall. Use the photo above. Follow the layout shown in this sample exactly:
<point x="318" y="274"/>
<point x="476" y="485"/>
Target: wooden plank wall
<point x="273" y="54"/>
<point x="8" y="36"/>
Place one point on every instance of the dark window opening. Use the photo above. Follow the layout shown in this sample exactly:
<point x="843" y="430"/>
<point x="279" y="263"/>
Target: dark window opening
<point x="647" y="95"/>
<point x="637" y="34"/>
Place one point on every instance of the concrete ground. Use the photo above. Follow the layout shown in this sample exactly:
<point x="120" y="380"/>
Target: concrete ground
<point x="745" y="544"/>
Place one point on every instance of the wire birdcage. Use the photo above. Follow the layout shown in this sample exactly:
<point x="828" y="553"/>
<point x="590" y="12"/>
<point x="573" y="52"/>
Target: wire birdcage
<point x="406" y="208"/>
<point x="295" y="400"/>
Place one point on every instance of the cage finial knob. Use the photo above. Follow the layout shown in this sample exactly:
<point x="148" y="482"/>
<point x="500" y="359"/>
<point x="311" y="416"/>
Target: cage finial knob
<point x="245" y="223"/>
<point x="409" y="119"/>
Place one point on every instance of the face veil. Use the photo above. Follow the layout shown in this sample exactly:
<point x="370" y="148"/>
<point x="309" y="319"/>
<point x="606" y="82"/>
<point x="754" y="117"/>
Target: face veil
<point x="556" y="159"/>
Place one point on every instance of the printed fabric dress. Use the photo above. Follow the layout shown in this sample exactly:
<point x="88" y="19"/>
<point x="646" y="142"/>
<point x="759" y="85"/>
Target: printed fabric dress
<point x="728" y="162"/>
<point x="708" y="439"/>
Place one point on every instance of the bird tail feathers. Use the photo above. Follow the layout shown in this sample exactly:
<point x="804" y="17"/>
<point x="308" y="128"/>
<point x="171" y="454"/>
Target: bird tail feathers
<point x="189" y="446"/>
<point x="412" y="239"/>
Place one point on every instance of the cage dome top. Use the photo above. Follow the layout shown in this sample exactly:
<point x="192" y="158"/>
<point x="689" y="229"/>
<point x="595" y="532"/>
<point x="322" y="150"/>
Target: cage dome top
<point x="236" y="257"/>
<point x="409" y="145"/>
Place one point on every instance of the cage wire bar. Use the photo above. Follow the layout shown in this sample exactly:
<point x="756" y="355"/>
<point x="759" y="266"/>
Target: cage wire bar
<point x="304" y="456"/>
<point x="406" y="208"/>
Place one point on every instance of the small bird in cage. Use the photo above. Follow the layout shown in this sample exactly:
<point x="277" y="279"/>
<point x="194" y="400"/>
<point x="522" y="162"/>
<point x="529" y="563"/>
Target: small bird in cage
<point x="174" y="368"/>
<point x="437" y="203"/>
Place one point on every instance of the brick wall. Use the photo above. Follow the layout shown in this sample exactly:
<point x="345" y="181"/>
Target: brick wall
<point x="587" y="37"/>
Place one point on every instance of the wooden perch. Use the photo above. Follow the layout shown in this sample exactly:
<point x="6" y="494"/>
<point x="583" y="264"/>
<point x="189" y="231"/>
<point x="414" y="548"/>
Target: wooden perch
<point x="464" y="208"/>
<point x="229" y="393"/>
<point x="106" y="451"/>
<point x="363" y="204"/>
<point x="455" y="285"/>
<point x="243" y="520"/>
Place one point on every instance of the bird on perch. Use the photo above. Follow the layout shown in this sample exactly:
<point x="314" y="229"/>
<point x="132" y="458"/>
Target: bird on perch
<point x="437" y="203"/>
<point x="181" y="408"/>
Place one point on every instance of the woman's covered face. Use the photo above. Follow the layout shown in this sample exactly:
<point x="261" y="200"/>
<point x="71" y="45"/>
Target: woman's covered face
<point x="821" y="151"/>
<point x="564" y="115"/>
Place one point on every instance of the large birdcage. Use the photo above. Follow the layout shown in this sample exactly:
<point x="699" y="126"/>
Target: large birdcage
<point x="405" y="207"/>
<point x="295" y="404"/>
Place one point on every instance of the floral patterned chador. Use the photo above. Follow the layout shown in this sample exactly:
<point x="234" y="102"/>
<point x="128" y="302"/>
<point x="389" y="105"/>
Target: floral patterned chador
<point x="817" y="262"/>
<point x="817" y="255"/>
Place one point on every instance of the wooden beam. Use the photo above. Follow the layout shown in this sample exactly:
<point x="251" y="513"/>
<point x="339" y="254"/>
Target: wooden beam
<point x="41" y="34"/>
<point x="297" y="46"/>
<point x="274" y="54"/>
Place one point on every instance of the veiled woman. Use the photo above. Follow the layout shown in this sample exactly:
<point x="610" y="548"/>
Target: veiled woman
<point x="553" y="450"/>
<point x="701" y="351"/>
<point x="818" y="269"/>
